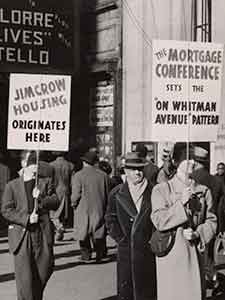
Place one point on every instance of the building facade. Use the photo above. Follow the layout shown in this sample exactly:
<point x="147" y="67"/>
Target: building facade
<point x="106" y="46"/>
<point x="77" y="38"/>
<point x="144" y="21"/>
<point x="98" y="97"/>
<point x="37" y="37"/>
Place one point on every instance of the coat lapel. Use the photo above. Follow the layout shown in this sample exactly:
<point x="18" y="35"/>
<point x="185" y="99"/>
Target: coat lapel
<point x="125" y="200"/>
<point x="145" y="207"/>
<point x="22" y="192"/>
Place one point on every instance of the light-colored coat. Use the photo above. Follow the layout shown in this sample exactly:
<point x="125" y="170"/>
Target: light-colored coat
<point x="89" y="198"/>
<point x="178" y="274"/>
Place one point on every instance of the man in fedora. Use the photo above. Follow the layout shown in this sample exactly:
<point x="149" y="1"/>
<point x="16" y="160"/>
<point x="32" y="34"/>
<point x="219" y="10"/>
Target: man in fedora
<point x="129" y="224"/>
<point x="202" y="176"/>
<point x="89" y="197"/>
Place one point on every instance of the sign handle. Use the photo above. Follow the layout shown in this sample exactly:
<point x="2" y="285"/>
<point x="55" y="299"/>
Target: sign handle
<point x="36" y="181"/>
<point x="188" y="132"/>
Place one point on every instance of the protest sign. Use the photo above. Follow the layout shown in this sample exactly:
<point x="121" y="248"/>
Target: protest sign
<point x="39" y="112"/>
<point x="217" y="149"/>
<point x="186" y="90"/>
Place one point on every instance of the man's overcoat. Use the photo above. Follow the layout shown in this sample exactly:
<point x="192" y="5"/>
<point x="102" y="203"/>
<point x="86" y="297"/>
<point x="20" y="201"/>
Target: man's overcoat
<point x="89" y="197"/>
<point x="132" y="231"/>
<point x="15" y="209"/>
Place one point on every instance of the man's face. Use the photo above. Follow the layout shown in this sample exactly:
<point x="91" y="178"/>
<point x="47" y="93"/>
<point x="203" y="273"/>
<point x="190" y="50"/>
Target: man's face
<point x="30" y="171"/>
<point x="24" y="160"/>
<point x="220" y="170"/>
<point x="134" y="175"/>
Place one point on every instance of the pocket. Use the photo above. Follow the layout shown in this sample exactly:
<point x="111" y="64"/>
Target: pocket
<point x="16" y="234"/>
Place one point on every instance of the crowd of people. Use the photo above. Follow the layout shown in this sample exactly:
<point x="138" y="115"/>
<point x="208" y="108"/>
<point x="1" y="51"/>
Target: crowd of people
<point x="138" y="199"/>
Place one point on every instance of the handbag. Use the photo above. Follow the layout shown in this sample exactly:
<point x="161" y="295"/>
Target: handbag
<point x="162" y="242"/>
<point x="219" y="249"/>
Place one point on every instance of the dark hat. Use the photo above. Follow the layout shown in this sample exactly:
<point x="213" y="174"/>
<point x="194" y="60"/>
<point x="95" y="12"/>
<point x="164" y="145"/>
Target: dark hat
<point x="133" y="160"/>
<point x="200" y="154"/>
<point x="142" y="150"/>
<point x="90" y="157"/>
<point x="180" y="152"/>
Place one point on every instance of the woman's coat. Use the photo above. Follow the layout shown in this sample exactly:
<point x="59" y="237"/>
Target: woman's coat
<point x="136" y="278"/>
<point x="178" y="274"/>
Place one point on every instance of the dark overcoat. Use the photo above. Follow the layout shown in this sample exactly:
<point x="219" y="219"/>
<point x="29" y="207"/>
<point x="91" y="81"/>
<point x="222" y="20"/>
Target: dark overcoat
<point x="136" y="274"/>
<point x="63" y="171"/>
<point x="15" y="209"/>
<point x="89" y="198"/>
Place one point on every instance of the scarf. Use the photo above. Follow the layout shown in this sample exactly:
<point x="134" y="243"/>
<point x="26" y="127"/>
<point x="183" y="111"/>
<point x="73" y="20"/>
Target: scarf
<point x="136" y="191"/>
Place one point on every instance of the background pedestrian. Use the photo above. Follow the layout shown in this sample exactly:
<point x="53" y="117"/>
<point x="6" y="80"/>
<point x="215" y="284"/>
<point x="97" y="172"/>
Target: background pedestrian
<point x="89" y="198"/>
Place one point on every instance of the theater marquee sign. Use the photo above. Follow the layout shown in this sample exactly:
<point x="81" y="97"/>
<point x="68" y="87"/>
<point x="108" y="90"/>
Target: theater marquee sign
<point x="34" y="36"/>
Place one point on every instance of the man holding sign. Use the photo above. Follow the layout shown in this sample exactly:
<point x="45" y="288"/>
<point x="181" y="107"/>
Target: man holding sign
<point x="25" y="205"/>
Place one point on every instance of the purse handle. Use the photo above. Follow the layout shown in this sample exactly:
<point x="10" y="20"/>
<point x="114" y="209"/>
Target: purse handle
<point x="220" y="242"/>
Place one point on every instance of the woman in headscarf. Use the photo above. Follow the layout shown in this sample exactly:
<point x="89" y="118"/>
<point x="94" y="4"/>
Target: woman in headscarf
<point x="186" y="206"/>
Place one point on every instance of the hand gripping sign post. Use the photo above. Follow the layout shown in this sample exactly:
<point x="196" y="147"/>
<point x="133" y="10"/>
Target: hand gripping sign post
<point x="186" y="91"/>
<point x="39" y="112"/>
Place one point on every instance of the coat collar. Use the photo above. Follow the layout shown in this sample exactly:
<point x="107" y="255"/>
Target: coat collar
<point x="21" y="190"/>
<point x="125" y="200"/>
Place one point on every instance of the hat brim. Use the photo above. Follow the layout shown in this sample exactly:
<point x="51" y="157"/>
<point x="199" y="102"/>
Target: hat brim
<point x="86" y="160"/>
<point x="135" y="165"/>
<point x="200" y="159"/>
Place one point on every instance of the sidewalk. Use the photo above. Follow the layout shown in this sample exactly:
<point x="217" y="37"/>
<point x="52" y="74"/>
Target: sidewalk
<point x="71" y="280"/>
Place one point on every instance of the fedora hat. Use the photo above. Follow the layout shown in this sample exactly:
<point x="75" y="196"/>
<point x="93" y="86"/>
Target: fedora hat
<point x="133" y="160"/>
<point x="90" y="157"/>
<point x="200" y="154"/>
